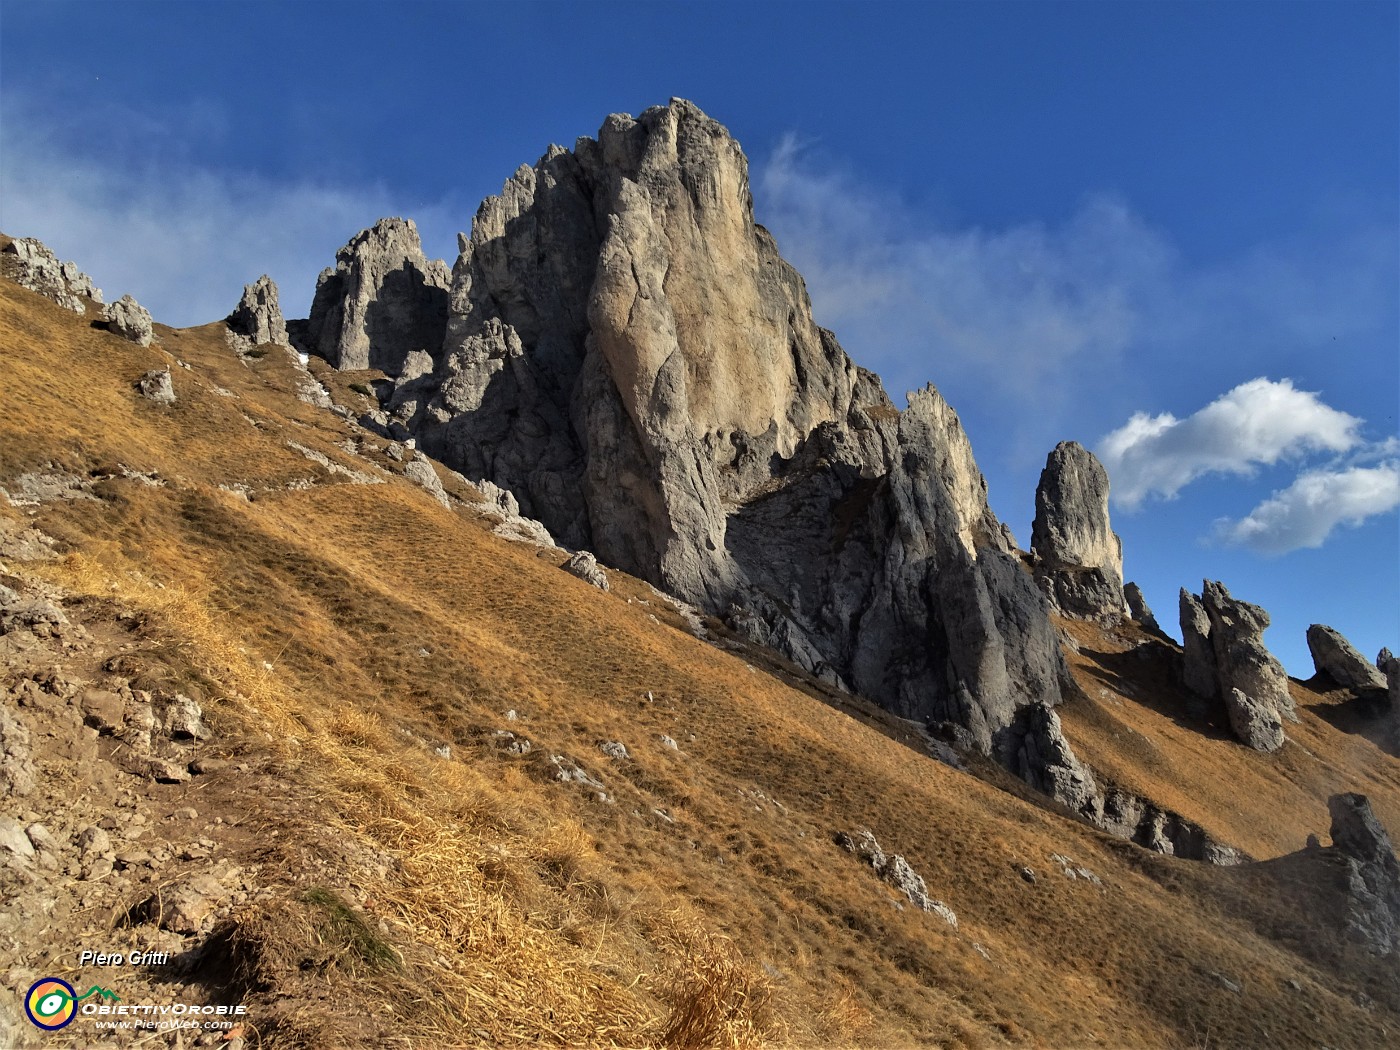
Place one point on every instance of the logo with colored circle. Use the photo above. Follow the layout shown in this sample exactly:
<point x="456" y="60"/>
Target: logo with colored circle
<point x="51" y="1003"/>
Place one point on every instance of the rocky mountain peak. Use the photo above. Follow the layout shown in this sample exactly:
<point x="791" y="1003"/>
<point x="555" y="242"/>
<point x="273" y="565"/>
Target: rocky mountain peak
<point x="627" y="352"/>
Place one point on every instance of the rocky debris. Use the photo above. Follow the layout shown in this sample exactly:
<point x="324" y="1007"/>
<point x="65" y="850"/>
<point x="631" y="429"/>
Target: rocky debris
<point x="46" y="486"/>
<point x="258" y="317"/>
<point x="1072" y="870"/>
<point x="156" y="386"/>
<point x="667" y="741"/>
<point x="355" y="477"/>
<point x="1374" y="873"/>
<point x="627" y="353"/>
<point x="383" y="300"/>
<point x="1225" y="660"/>
<point x="420" y="471"/>
<point x="614" y="749"/>
<point x="583" y="565"/>
<point x="1078" y="557"/>
<point x="18" y="776"/>
<point x="1046" y="762"/>
<point x="895" y="870"/>
<point x="38" y="269"/>
<point x="95" y="852"/>
<point x="570" y="772"/>
<point x="501" y="507"/>
<point x="188" y="906"/>
<point x="130" y="320"/>
<point x="1334" y="656"/>
<point x="1138" y="608"/>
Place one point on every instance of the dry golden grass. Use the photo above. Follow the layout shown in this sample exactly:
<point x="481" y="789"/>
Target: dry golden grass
<point x="525" y="910"/>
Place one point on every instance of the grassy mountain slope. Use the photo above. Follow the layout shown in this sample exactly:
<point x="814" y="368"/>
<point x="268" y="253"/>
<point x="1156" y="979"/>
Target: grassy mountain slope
<point x="357" y="648"/>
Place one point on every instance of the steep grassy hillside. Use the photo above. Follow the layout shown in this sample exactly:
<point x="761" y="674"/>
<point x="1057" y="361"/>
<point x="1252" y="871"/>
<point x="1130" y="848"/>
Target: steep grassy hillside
<point x="412" y="877"/>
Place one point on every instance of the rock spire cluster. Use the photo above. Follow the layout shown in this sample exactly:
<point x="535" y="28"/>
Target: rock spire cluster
<point x="258" y="316"/>
<point x="1225" y="660"/>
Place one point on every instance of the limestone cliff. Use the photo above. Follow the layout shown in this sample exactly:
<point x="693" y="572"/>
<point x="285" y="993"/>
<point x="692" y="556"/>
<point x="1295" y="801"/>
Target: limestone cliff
<point x="627" y="352"/>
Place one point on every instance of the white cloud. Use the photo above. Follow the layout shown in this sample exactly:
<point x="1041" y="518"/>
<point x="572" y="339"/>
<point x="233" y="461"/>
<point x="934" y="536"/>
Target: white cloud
<point x="181" y="238"/>
<point x="1257" y="423"/>
<point x="1305" y="513"/>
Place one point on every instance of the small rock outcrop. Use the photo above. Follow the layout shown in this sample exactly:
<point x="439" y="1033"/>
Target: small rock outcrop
<point x="1336" y="657"/>
<point x="258" y="317"/>
<point x="1225" y="660"/>
<point x="585" y="566"/>
<point x="895" y="870"/>
<point x="420" y="471"/>
<point x="1374" y="890"/>
<point x="383" y="300"/>
<point x="156" y="385"/>
<point x="130" y="320"/>
<point x="1079" y="558"/>
<point x="1138" y="608"/>
<point x="38" y="269"/>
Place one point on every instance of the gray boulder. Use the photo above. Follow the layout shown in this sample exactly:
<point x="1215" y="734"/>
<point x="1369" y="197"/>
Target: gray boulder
<point x="1079" y="558"/>
<point x="156" y="385"/>
<point x="1334" y="656"/>
<point x="258" y="317"/>
<point x="37" y="268"/>
<point x="585" y="566"/>
<point x="1254" y="722"/>
<point x="1138" y="608"/>
<point x="383" y="300"/>
<point x="130" y="320"/>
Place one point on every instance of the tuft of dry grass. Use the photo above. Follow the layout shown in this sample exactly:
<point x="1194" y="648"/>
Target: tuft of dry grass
<point x="718" y="1000"/>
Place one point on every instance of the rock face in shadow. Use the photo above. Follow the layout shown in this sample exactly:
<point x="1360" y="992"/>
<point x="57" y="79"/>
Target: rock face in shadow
<point x="258" y="317"/>
<point x="1138" y="608"/>
<point x="1336" y="657"/>
<point x="382" y="301"/>
<point x="1374" y="874"/>
<point x="1225" y="659"/>
<point x="1079" y="558"/>
<point x="629" y="355"/>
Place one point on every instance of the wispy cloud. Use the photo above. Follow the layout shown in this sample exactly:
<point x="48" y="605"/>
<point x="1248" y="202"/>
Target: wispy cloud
<point x="183" y="239"/>
<point x="1257" y="423"/>
<point x="1307" y="511"/>
<point x="1023" y="302"/>
<point x="1033" y="312"/>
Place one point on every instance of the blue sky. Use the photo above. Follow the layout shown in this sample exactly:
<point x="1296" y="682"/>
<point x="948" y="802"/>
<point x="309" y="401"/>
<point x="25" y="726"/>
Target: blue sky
<point x="1167" y="231"/>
